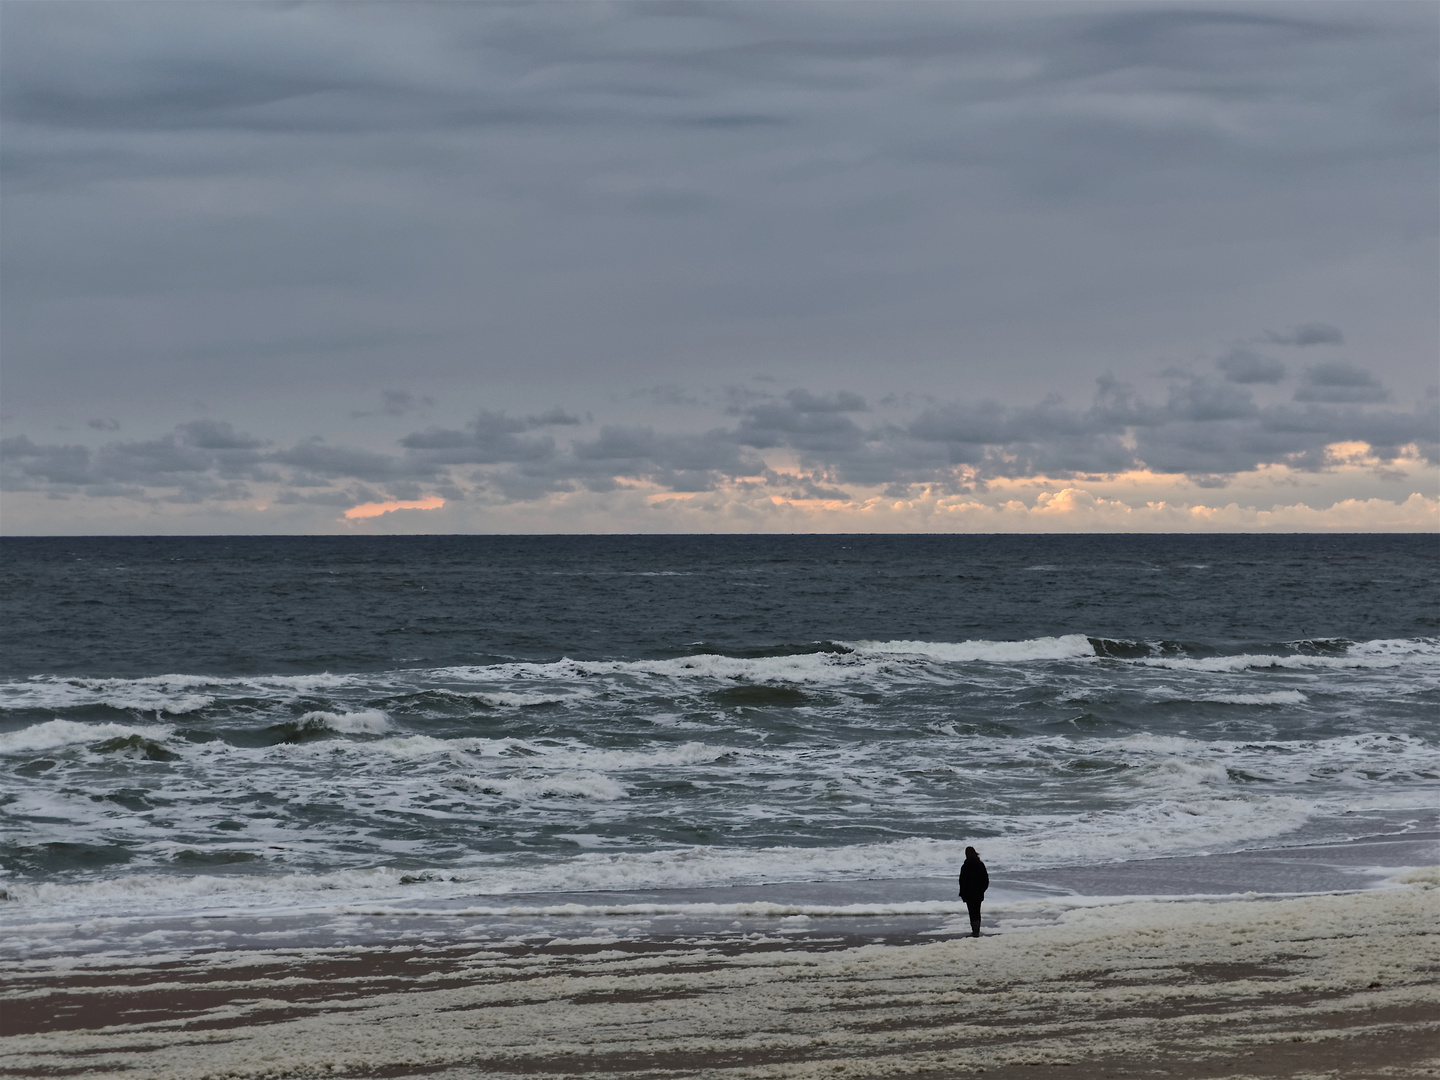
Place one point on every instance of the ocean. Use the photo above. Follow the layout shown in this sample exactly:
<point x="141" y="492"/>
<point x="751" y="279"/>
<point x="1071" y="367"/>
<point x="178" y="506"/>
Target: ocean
<point x="218" y="740"/>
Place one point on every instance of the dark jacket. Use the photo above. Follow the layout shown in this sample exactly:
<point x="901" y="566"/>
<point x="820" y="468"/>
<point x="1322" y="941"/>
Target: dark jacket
<point x="974" y="880"/>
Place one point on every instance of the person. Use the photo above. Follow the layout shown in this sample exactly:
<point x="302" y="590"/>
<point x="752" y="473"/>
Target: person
<point x="974" y="880"/>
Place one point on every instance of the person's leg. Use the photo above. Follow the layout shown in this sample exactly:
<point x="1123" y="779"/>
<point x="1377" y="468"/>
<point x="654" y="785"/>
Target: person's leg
<point x="974" y="918"/>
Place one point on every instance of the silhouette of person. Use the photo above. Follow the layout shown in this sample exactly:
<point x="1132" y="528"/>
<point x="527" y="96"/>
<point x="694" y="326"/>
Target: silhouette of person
<point x="974" y="880"/>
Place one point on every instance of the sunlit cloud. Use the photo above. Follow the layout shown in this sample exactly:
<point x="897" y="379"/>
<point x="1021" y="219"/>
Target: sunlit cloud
<point x="375" y="509"/>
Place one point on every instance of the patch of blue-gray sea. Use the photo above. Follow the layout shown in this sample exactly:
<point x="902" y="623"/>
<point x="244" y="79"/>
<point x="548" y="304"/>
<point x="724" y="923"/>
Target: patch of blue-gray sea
<point x="800" y="728"/>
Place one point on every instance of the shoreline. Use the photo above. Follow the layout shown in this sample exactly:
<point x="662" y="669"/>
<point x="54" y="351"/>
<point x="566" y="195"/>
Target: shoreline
<point x="1282" y="987"/>
<point x="130" y="916"/>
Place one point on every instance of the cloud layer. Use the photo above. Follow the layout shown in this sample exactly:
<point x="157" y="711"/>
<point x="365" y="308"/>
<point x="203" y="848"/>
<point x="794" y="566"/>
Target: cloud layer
<point x="777" y="254"/>
<point x="795" y="446"/>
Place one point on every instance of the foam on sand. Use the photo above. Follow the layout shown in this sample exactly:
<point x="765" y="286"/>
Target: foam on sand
<point x="1196" y="985"/>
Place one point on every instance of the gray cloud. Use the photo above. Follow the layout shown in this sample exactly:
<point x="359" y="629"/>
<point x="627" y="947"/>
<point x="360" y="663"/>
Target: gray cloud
<point x="667" y="394"/>
<point x="678" y="462"/>
<point x="554" y="417"/>
<point x="803" y="420"/>
<point x="204" y="459"/>
<point x="1283" y="434"/>
<point x="791" y="486"/>
<point x="315" y="460"/>
<point x="1008" y="441"/>
<point x="1241" y="365"/>
<point x="30" y="467"/>
<point x="1307" y="334"/>
<point x="1338" y="382"/>
<point x="218" y="435"/>
<point x="1200" y="399"/>
<point x="396" y="403"/>
<point x="1206" y="428"/>
<point x="489" y="439"/>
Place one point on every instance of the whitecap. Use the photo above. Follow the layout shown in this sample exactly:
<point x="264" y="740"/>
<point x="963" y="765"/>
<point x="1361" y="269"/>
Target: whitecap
<point x="527" y="787"/>
<point x="172" y="694"/>
<point x="1378" y="654"/>
<point x="414" y="746"/>
<point x="363" y="722"/>
<point x="1068" y="647"/>
<point x="55" y="734"/>
<point x="1277" y="697"/>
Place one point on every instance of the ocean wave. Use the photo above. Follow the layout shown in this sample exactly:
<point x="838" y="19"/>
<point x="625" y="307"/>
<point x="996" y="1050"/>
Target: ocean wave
<point x="827" y="665"/>
<point x="1399" y="647"/>
<point x="1378" y="654"/>
<point x="689" y="753"/>
<point x="173" y="694"/>
<point x="1364" y="759"/>
<point x="320" y="724"/>
<point x="528" y="786"/>
<point x="560" y="756"/>
<point x="300" y="684"/>
<point x="1068" y="647"/>
<point x="163" y="694"/>
<point x="58" y="734"/>
<point x="1275" y="697"/>
<point x="504" y="699"/>
<point x="813" y="667"/>
<point x="415" y="746"/>
<point x="364" y="722"/>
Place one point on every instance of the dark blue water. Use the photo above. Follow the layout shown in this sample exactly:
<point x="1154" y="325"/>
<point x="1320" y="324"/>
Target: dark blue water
<point x="252" y="605"/>
<point x="303" y="725"/>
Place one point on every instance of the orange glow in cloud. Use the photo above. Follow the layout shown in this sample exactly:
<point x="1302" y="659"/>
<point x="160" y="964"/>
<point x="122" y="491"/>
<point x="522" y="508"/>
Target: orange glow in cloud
<point x="369" y="510"/>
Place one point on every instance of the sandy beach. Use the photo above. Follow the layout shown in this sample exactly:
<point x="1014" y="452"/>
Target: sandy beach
<point x="1335" y="985"/>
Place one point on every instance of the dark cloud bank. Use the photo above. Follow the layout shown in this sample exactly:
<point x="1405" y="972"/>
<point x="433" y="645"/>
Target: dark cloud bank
<point x="1209" y="427"/>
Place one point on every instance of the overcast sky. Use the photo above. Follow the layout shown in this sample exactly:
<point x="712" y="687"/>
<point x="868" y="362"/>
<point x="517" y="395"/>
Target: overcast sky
<point x="735" y="266"/>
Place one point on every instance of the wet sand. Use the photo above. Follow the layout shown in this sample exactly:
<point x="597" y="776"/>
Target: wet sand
<point x="1335" y="985"/>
